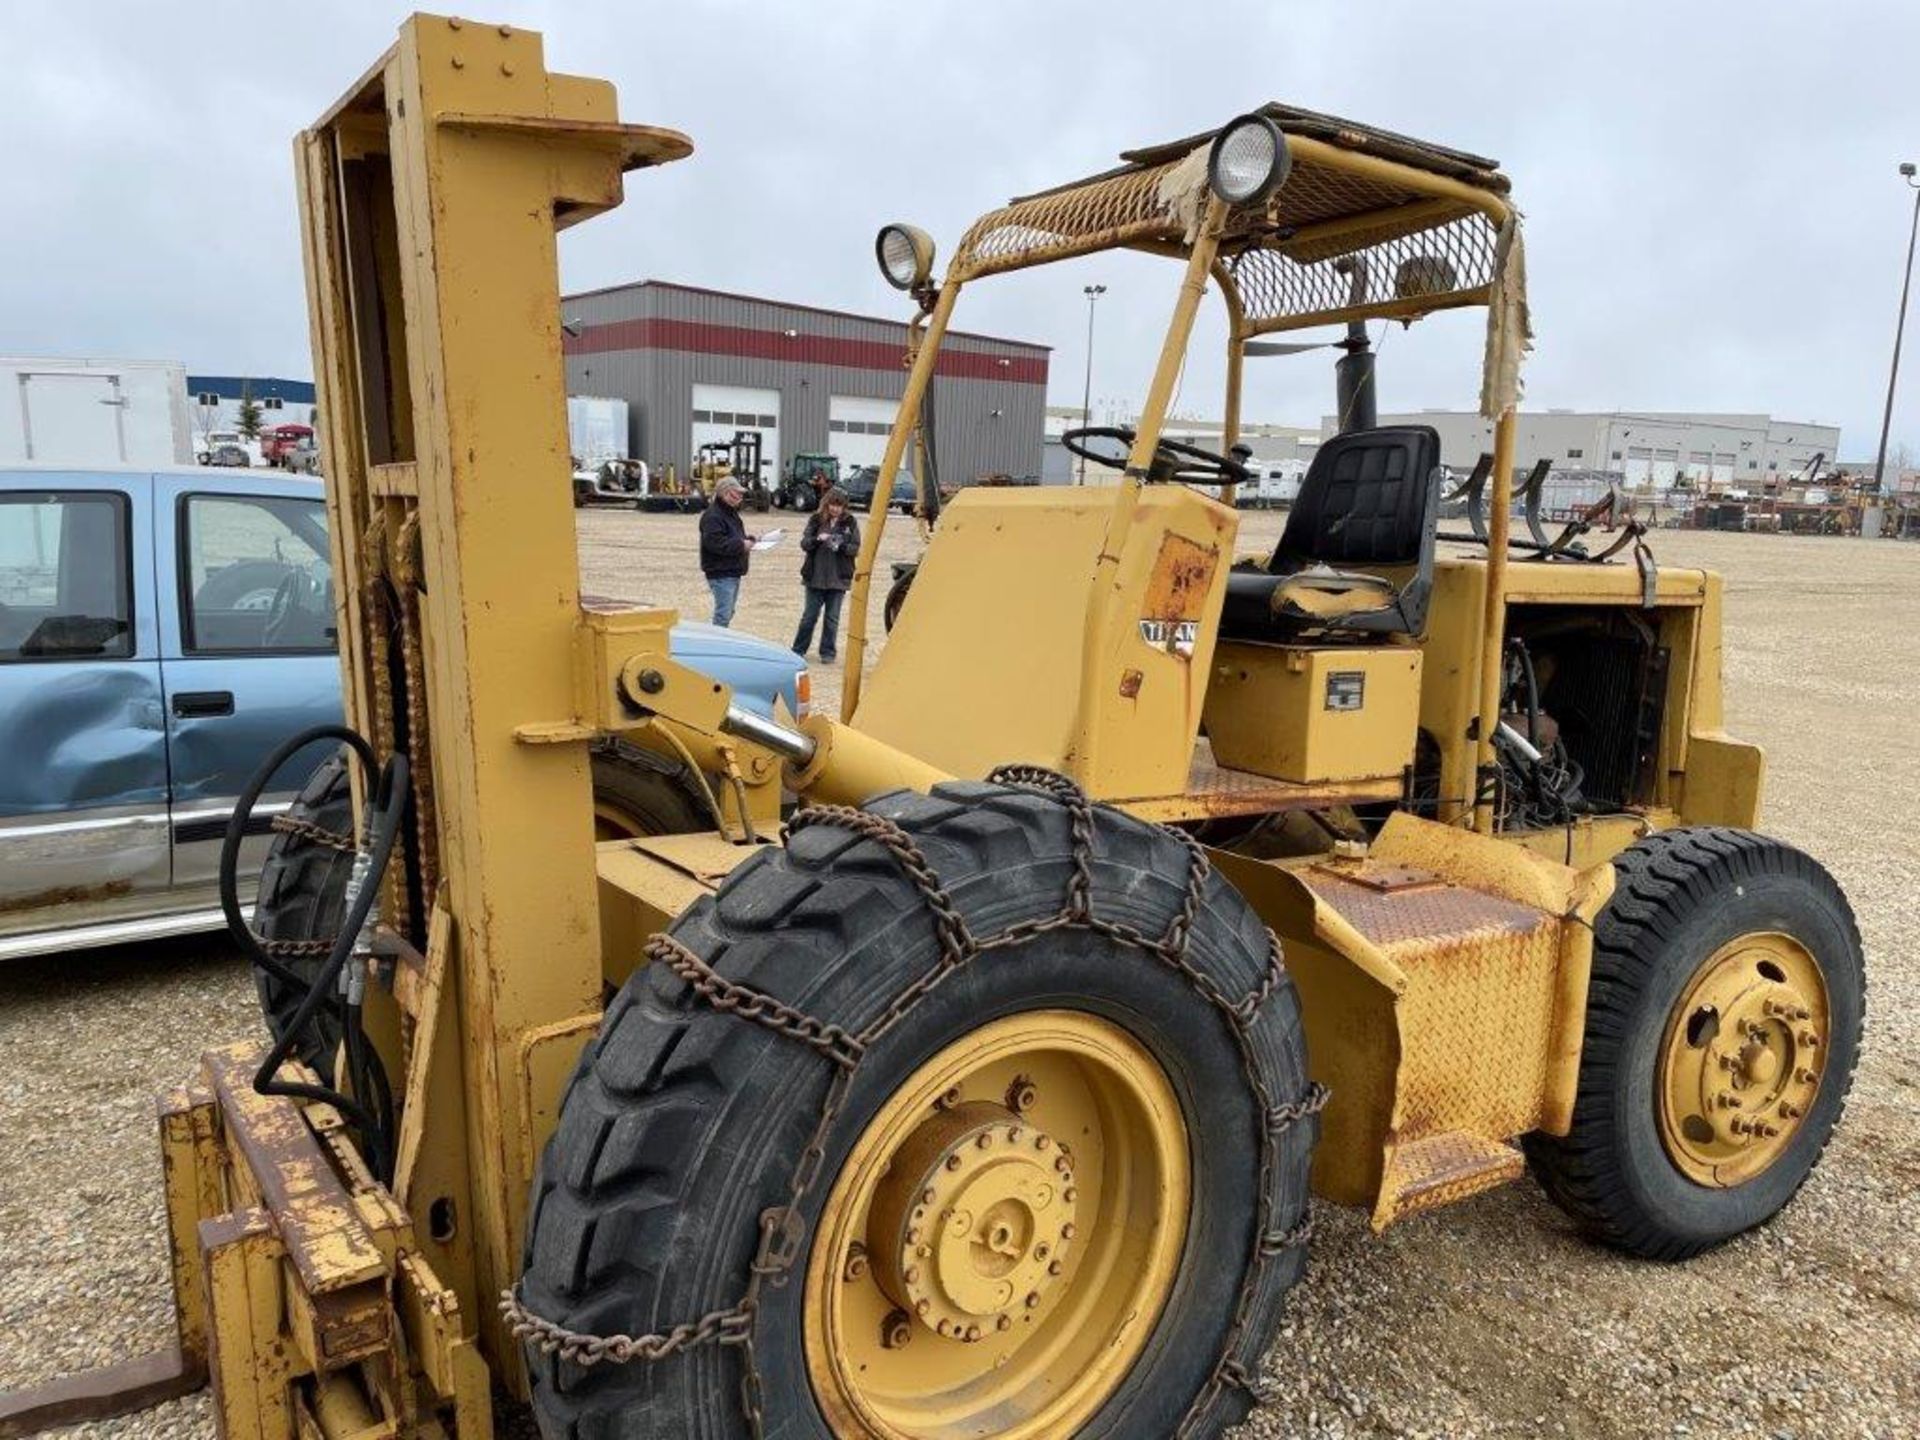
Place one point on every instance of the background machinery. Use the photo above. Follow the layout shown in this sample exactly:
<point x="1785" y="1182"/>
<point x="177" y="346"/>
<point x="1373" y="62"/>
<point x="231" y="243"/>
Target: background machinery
<point x="1138" y="890"/>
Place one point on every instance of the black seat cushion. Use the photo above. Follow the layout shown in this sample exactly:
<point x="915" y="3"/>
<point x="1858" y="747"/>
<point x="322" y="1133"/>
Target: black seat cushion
<point x="1363" y="502"/>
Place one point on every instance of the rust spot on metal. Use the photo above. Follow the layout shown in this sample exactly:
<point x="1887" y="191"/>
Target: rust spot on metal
<point x="66" y="895"/>
<point x="311" y="1211"/>
<point x="1182" y="576"/>
<point x="1130" y="684"/>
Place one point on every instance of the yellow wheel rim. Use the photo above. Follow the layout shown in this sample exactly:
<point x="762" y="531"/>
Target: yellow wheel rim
<point x="610" y="822"/>
<point x="1741" y="1058"/>
<point x="1003" y="1237"/>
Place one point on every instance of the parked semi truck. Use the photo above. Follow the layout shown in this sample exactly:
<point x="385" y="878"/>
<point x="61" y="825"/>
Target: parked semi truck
<point x="94" y="412"/>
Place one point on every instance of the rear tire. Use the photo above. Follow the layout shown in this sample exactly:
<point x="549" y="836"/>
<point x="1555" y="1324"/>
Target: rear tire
<point x="303" y="884"/>
<point x="1681" y="897"/>
<point x="683" y="1124"/>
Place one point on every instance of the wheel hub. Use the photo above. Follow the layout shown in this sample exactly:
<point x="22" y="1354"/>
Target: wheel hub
<point x="996" y="1249"/>
<point x="973" y="1224"/>
<point x="1742" y="1059"/>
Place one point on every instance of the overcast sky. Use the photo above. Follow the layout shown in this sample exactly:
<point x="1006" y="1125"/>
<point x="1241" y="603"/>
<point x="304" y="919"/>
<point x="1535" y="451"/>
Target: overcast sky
<point x="1715" y="217"/>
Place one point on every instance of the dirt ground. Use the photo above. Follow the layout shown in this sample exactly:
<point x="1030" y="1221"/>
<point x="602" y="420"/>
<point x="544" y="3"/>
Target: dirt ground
<point x="1492" y="1318"/>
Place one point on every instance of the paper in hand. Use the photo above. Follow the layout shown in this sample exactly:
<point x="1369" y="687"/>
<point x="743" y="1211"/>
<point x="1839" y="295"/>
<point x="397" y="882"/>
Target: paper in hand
<point x="769" y="540"/>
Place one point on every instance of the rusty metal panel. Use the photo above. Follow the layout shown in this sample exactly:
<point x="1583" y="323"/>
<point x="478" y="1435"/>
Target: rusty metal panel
<point x="312" y="1213"/>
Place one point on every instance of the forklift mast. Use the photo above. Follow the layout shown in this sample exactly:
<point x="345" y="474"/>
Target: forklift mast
<point x="430" y="200"/>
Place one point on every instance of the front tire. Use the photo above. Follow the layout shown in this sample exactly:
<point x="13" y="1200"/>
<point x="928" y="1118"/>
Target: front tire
<point x="1723" y="1024"/>
<point x="303" y="884"/>
<point x="684" y="1124"/>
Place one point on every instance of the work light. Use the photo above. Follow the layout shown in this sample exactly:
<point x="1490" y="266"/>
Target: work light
<point x="1249" y="160"/>
<point x="906" y="255"/>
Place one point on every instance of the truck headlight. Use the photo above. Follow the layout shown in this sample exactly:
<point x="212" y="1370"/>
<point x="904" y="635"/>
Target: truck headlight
<point x="1249" y="160"/>
<point x="906" y="256"/>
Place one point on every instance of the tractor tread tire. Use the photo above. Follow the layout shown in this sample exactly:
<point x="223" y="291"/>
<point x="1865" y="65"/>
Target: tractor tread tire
<point x="302" y="896"/>
<point x="1669" y="887"/>
<point x="303" y="882"/>
<point x="682" y="1123"/>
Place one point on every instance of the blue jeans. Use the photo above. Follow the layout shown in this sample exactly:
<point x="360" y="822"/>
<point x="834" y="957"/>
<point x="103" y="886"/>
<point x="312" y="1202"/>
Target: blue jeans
<point x="817" y="602"/>
<point x="726" y="595"/>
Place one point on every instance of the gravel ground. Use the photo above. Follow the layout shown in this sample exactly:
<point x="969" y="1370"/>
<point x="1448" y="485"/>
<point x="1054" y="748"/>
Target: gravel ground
<point x="1491" y="1318"/>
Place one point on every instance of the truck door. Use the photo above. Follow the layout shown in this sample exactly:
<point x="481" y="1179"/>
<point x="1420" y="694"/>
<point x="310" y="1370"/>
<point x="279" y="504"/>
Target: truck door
<point x="247" y="650"/>
<point x="83" y="767"/>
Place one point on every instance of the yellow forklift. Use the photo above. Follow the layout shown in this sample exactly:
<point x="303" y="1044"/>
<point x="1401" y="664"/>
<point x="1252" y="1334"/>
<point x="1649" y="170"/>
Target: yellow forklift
<point x="1140" y="889"/>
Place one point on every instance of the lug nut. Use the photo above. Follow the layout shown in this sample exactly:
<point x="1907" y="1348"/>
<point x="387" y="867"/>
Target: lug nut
<point x="1005" y="1322"/>
<point x="1043" y="1142"/>
<point x="985" y="1142"/>
<point x="922" y="1308"/>
<point x="1067" y="1231"/>
<point x="1809" y="1039"/>
<point x="896" y="1330"/>
<point x="1042" y="1250"/>
<point x="1033" y="1300"/>
<point x="949" y="1099"/>
<point x="953" y="1162"/>
<point x="1022" y="1095"/>
<point x="1056" y="1268"/>
<point x="1806" y="1075"/>
<point x="856" y="1267"/>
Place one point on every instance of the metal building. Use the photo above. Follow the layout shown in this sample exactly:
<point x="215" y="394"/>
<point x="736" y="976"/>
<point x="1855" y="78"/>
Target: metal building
<point x="697" y="365"/>
<point x="1650" y="450"/>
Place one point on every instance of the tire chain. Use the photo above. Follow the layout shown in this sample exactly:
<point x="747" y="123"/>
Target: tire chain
<point x="319" y="835"/>
<point x="783" y="1230"/>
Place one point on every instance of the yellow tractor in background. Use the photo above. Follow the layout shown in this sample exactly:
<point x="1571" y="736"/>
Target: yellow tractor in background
<point x="1141" y="889"/>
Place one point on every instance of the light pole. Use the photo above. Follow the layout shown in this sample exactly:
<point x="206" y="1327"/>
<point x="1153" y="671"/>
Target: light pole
<point x="1093" y="293"/>
<point x="1870" y="522"/>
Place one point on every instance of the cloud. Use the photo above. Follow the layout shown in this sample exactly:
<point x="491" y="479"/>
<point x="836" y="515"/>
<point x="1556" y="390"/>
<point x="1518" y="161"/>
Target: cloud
<point x="1715" y="221"/>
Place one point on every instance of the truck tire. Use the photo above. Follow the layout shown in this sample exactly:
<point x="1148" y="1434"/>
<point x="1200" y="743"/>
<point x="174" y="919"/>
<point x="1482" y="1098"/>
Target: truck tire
<point x="303" y="883"/>
<point x="1728" y="992"/>
<point x="683" y="1125"/>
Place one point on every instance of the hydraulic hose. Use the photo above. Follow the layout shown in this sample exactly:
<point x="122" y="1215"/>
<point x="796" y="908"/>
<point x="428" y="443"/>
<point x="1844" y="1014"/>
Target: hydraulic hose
<point x="237" y="925"/>
<point x="370" y="1108"/>
<point x="385" y="815"/>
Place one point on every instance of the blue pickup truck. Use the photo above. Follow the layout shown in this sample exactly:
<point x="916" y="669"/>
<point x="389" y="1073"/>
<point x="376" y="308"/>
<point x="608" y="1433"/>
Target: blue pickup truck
<point x="160" y="632"/>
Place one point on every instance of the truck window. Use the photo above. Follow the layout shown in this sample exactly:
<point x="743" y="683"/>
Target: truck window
<point x="66" y="582"/>
<point x="255" y="575"/>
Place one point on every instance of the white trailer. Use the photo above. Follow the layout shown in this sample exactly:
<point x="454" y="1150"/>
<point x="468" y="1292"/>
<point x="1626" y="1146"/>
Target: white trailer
<point x="596" y="429"/>
<point x="94" y="412"/>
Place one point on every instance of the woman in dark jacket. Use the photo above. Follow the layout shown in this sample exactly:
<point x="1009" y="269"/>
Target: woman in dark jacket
<point x="830" y="542"/>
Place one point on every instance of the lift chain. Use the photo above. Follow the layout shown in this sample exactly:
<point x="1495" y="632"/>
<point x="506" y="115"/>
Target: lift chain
<point x="783" y="1228"/>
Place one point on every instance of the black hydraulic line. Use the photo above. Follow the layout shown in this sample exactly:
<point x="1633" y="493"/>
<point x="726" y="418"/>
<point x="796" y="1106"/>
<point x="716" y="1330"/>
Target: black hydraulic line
<point x="386" y="812"/>
<point x="370" y="1108"/>
<point x="229" y="871"/>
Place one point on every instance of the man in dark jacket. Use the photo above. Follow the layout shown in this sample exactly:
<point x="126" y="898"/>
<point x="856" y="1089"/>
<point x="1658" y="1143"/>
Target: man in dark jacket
<point x="831" y="542"/>
<point x="724" y="548"/>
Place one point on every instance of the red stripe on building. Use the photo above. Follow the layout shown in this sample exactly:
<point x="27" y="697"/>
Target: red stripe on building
<point x="705" y="339"/>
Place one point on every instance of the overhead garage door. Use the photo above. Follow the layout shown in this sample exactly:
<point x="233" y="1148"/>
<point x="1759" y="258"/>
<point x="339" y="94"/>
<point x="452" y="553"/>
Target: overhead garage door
<point x="857" y="428"/>
<point x="721" y="411"/>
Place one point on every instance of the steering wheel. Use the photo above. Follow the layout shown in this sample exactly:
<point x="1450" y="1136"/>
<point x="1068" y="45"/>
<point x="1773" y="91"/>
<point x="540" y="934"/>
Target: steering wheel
<point x="1172" y="459"/>
<point x="291" y="599"/>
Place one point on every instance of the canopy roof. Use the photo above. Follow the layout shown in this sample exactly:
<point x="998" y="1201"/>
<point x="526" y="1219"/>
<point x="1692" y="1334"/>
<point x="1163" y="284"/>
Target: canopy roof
<point x="1368" y="224"/>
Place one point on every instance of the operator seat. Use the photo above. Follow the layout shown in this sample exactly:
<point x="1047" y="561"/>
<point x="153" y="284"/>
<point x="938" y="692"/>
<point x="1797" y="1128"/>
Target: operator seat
<point x="1370" y="499"/>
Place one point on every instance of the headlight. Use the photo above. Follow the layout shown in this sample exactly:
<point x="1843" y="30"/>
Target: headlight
<point x="1249" y="160"/>
<point x="906" y="256"/>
